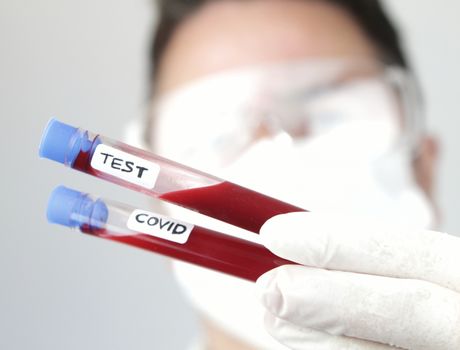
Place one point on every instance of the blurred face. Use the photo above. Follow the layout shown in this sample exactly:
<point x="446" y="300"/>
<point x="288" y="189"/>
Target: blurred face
<point x="221" y="39"/>
<point x="230" y="35"/>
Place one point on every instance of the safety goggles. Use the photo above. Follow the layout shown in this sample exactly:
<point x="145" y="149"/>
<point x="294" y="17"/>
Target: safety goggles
<point x="218" y="117"/>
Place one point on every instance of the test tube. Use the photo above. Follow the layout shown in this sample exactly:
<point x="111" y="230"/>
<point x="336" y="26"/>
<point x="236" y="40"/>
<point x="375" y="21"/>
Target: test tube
<point x="160" y="234"/>
<point x="158" y="177"/>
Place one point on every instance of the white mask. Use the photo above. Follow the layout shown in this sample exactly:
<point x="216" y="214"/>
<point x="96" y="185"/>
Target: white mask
<point x="356" y="167"/>
<point x="385" y="190"/>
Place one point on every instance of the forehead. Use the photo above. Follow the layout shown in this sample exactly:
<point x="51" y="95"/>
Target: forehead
<point x="229" y="34"/>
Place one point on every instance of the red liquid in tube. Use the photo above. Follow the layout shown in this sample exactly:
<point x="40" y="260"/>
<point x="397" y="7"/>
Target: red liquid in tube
<point x="231" y="203"/>
<point x="206" y="248"/>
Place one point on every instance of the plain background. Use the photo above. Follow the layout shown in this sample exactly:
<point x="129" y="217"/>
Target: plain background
<point x="85" y="62"/>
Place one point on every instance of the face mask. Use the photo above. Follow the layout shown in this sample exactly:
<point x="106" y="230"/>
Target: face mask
<point x="296" y="173"/>
<point x="354" y="164"/>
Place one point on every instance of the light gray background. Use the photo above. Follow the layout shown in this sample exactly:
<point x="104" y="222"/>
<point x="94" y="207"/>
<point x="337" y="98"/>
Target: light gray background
<point x="85" y="62"/>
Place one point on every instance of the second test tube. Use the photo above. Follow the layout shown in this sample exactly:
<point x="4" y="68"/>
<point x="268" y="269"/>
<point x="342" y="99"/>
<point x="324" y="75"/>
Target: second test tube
<point x="156" y="233"/>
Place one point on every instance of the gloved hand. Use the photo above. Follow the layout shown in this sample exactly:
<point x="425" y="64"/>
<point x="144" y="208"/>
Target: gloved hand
<point x="361" y="285"/>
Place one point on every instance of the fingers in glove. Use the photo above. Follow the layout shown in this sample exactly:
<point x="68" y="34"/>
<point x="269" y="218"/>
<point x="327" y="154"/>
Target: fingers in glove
<point x="299" y="338"/>
<point x="356" y="244"/>
<point x="411" y="314"/>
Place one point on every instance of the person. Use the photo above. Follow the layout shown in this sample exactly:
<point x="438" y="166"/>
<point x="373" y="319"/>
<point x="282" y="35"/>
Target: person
<point x="312" y="102"/>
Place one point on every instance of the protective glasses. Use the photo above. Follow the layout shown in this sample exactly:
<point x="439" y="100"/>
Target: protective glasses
<point x="216" y="118"/>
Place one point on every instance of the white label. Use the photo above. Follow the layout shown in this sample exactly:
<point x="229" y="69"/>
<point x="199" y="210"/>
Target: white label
<point x="159" y="226"/>
<point x="125" y="166"/>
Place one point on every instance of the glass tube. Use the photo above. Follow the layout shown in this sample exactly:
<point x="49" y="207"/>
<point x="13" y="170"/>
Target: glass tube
<point x="160" y="234"/>
<point x="158" y="177"/>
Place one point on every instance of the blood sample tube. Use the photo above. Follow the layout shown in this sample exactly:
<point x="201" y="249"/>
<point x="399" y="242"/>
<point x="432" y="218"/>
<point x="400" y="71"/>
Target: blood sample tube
<point x="160" y="234"/>
<point x="145" y="172"/>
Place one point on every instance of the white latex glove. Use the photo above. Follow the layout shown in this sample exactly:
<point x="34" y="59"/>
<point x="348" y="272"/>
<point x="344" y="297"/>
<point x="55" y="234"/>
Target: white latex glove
<point x="365" y="287"/>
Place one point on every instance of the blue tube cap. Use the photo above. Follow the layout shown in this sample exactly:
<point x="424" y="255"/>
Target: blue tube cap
<point x="73" y="208"/>
<point x="63" y="204"/>
<point x="55" y="141"/>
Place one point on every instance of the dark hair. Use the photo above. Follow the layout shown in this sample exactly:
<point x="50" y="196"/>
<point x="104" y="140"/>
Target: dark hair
<point x="369" y="14"/>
